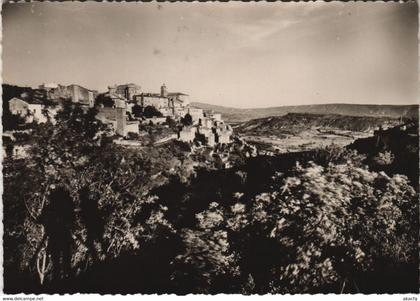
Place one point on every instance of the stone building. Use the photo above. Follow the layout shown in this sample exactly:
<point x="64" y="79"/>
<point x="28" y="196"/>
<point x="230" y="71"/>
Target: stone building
<point x="55" y="92"/>
<point x="32" y="112"/>
<point x="179" y="99"/>
<point x="173" y="104"/>
<point x="208" y="133"/>
<point x="187" y="134"/>
<point x="163" y="91"/>
<point x="196" y="114"/>
<point x="224" y="133"/>
<point x="215" y="116"/>
<point x="116" y="118"/>
<point x="82" y="95"/>
<point x="47" y="86"/>
<point x="128" y="91"/>
<point x="76" y="93"/>
<point x="211" y="127"/>
<point x="157" y="101"/>
<point x="155" y="120"/>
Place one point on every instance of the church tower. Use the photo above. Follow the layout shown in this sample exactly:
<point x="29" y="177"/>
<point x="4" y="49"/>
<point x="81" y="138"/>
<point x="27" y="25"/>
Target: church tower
<point x="163" y="91"/>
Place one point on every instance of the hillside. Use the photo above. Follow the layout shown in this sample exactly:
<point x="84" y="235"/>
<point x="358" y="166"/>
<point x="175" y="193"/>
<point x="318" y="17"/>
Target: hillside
<point x="296" y="122"/>
<point x="395" y="151"/>
<point x="234" y="115"/>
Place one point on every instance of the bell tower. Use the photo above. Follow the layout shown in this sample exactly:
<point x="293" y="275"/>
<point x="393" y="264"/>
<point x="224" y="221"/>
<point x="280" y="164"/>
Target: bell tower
<point x="163" y="91"/>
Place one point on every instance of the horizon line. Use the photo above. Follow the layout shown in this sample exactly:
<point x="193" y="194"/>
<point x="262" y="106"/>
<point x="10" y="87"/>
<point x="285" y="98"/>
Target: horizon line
<point x="255" y="108"/>
<point x="301" y="105"/>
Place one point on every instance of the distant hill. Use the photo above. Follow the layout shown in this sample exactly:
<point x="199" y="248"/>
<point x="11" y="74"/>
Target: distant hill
<point x="234" y="115"/>
<point x="296" y="122"/>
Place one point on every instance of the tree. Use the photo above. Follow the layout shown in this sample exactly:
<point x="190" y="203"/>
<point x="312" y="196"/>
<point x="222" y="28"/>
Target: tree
<point x="151" y="111"/>
<point x="200" y="139"/>
<point x="12" y="122"/>
<point x="207" y="258"/>
<point x="187" y="120"/>
<point x="103" y="99"/>
<point x="383" y="158"/>
<point x="58" y="155"/>
<point x="264" y="226"/>
<point x="171" y="123"/>
<point x="327" y="225"/>
<point x="103" y="183"/>
<point x="137" y="110"/>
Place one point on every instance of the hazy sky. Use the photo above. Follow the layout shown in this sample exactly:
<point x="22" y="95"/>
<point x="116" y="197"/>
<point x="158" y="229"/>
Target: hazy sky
<point x="232" y="54"/>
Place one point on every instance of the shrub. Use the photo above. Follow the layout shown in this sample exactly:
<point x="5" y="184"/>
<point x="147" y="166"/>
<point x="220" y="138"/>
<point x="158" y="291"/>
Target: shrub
<point x="137" y="110"/>
<point x="384" y="158"/>
<point x="328" y="225"/>
<point x="187" y="120"/>
<point x="151" y="111"/>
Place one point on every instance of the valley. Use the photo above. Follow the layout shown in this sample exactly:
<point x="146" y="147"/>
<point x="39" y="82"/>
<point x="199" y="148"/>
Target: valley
<point x="301" y="131"/>
<point x="305" y="140"/>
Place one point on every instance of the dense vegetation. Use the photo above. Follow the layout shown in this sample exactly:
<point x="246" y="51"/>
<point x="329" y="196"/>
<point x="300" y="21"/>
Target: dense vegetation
<point x="394" y="151"/>
<point x="84" y="215"/>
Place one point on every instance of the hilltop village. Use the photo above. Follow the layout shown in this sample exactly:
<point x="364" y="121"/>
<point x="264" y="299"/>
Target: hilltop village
<point x="126" y="109"/>
<point x="137" y="119"/>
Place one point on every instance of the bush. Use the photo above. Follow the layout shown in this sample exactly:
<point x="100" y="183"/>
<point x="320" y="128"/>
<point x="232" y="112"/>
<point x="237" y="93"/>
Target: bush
<point x="151" y="111"/>
<point x="171" y="123"/>
<point x="133" y="136"/>
<point x="104" y="100"/>
<point x="384" y="158"/>
<point x="187" y="120"/>
<point x="137" y="110"/>
<point x="328" y="225"/>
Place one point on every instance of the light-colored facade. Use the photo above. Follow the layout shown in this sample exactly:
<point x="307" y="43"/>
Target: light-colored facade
<point x="179" y="99"/>
<point x="187" y="134"/>
<point x="169" y="104"/>
<point x="47" y="86"/>
<point x="216" y="117"/>
<point x="211" y="140"/>
<point x="214" y="130"/>
<point x="196" y="114"/>
<point x="131" y="127"/>
<point x="158" y="102"/>
<point x="30" y="111"/>
<point x="155" y="120"/>
<point x="117" y="119"/>
<point x="35" y="113"/>
<point x="18" y="106"/>
<point x="82" y="95"/>
<point x="121" y="118"/>
<point x="76" y="93"/>
<point x="128" y="91"/>
<point x="224" y="133"/>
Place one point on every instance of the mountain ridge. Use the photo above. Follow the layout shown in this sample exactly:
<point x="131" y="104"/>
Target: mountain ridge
<point x="232" y="114"/>
<point x="300" y="121"/>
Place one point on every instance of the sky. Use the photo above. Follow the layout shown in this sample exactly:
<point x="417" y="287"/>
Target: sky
<point x="232" y="54"/>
